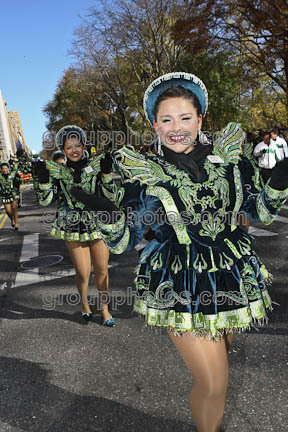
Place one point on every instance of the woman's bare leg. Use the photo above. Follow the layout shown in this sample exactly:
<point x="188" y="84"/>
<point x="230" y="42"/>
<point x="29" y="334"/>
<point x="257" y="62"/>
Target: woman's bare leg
<point x="15" y="212"/>
<point x="100" y="258"/>
<point x="229" y="340"/>
<point x="208" y="364"/>
<point x="80" y="255"/>
<point x="8" y="209"/>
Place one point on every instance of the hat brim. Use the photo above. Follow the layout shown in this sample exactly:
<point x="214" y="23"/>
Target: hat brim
<point x="188" y="81"/>
<point x="66" y="130"/>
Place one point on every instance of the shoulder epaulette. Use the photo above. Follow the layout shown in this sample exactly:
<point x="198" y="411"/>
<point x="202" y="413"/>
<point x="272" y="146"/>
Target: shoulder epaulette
<point x="133" y="166"/>
<point x="229" y="143"/>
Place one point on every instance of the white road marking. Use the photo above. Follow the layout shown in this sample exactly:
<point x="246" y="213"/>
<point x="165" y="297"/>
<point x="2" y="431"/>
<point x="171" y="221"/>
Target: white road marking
<point x="30" y="250"/>
<point x="5" y="239"/>
<point x="32" y="277"/>
<point x="258" y="232"/>
<point x="281" y="219"/>
<point x="30" y="247"/>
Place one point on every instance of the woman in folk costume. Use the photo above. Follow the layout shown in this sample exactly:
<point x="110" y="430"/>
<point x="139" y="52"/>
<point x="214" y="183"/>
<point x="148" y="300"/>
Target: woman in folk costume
<point x="74" y="222"/>
<point x="9" y="191"/>
<point x="199" y="277"/>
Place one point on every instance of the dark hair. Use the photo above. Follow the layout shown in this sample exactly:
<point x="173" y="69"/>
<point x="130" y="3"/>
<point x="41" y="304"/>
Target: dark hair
<point x="175" y="92"/>
<point x="57" y="155"/>
<point x="266" y="133"/>
<point x="5" y="164"/>
<point x="275" y="130"/>
<point x="250" y="137"/>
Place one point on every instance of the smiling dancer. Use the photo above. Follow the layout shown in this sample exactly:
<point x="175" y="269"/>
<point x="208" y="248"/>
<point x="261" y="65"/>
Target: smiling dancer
<point x="74" y="223"/>
<point x="199" y="277"/>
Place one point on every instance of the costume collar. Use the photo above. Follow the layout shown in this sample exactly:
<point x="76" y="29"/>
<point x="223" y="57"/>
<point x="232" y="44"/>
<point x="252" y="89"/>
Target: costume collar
<point x="77" y="167"/>
<point x="192" y="161"/>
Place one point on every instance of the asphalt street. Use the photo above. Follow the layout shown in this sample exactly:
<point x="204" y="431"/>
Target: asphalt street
<point x="57" y="374"/>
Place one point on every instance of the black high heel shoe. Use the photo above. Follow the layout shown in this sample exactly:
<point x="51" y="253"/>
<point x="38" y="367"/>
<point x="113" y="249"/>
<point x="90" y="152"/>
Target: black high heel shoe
<point x="86" y="316"/>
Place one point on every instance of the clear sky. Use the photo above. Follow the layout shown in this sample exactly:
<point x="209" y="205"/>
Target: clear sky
<point x="35" y="37"/>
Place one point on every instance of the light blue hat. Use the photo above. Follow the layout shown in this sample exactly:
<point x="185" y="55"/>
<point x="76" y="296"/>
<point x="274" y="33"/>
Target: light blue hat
<point x="70" y="131"/>
<point x="188" y="81"/>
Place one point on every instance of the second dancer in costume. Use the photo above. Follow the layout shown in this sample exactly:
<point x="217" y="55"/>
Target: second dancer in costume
<point x="74" y="222"/>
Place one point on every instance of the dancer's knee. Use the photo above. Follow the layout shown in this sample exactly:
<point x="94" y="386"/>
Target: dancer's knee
<point x="101" y="271"/>
<point x="82" y="278"/>
<point x="213" y="389"/>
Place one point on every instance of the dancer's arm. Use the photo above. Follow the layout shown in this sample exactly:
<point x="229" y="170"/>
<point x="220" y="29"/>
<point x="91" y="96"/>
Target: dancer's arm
<point x="123" y="226"/>
<point x="264" y="205"/>
<point x="47" y="190"/>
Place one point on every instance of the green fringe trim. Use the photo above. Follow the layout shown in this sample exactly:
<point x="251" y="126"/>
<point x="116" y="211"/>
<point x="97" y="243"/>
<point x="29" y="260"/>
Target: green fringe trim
<point x="62" y="235"/>
<point x="210" y="326"/>
<point x="10" y="200"/>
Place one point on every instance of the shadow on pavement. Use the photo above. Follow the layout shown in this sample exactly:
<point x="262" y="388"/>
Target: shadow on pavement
<point x="16" y="311"/>
<point x="30" y="402"/>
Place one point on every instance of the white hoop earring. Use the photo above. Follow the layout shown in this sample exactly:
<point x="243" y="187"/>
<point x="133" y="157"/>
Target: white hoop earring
<point x="202" y="137"/>
<point x="159" y="146"/>
<point x="85" y="154"/>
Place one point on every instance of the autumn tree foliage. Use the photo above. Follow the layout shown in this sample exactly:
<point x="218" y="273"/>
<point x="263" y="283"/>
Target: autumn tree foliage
<point x="256" y="30"/>
<point x="239" y="49"/>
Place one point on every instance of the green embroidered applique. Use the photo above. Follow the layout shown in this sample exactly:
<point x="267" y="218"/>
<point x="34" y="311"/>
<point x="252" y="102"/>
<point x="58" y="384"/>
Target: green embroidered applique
<point x="114" y="193"/>
<point x="156" y="261"/>
<point x="250" y="283"/>
<point x="240" y="299"/>
<point x="133" y="166"/>
<point x="170" y="207"/>
<point x="244" y="247"/>
<point x="176" y="265"/>
<point x="142" y="282"/>
<point x="192" y="196"/>
<point x="276" y="194"/>
<point x="239" y="197"/>
<point x="228" y="143"/>
<point x="225" y="261"/>
<point x="233" y="248"/>
<point x="212" y="226"/>
<point x="264" y="214"/>
<point x="112" y="233"/>
<point x="199" y="263"/>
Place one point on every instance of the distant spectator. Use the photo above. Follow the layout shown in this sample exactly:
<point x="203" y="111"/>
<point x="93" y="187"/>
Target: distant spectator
<point x="260" y="136"/>
<point x="283" y="133"/>
<point x="250" y="137"/>
<point x="281" y="145"/>
<point x="266" y="153"/>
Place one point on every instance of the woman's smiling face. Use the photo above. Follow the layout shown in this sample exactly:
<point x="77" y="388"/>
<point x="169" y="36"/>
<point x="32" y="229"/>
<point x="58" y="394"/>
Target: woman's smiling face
<point x="4" y="169"/>
<point x="73" y="148"/>
<point x="177" y="124"/>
